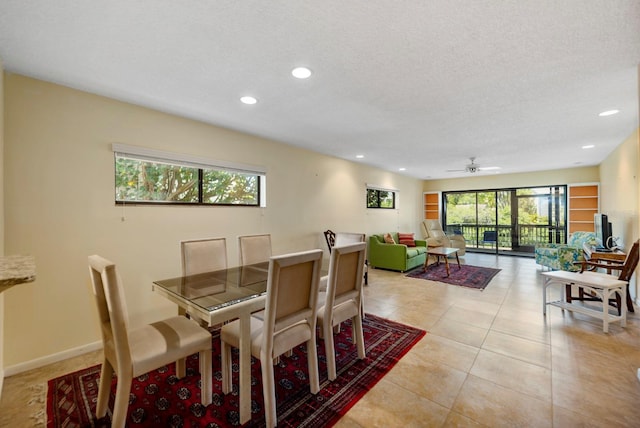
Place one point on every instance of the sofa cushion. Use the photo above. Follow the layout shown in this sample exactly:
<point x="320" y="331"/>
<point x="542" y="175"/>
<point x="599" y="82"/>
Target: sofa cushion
<point x="406" y="239"/>
<point x="415" y="251"/>
<point x="389" y="239"/>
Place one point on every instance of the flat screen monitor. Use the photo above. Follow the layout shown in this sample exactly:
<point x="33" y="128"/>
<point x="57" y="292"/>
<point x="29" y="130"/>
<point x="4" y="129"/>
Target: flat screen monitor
<point x="602" y="229"/>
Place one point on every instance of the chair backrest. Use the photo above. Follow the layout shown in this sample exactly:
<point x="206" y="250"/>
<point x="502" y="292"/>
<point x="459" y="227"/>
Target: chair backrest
<point x="254" y="249"/>
<point x="344" y="238"/>
<point x="578" y="239"/>
<point x="203" y="255"/>
<point x="112" y="309"/>
<point x="330" y="237"/>
<point x="335" y="239"/>
<point x="345" y="275"/>
<point x="433" y="229"/>
<point x="630" y="263"/>
<point x="292" y="297"/>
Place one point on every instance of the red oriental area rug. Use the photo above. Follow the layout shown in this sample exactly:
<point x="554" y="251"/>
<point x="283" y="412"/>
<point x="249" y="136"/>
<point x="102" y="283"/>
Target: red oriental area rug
<point x="466" y="276"/>
<point x="161" y="399"/>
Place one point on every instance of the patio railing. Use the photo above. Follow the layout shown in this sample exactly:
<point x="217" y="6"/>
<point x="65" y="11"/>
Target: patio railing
<point x="488" y="236"/>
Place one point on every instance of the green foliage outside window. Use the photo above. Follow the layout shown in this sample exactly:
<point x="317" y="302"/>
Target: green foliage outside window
<point x="143" y="181"/>
<point x="464" y="208"/>
<point x="381" y="199"/>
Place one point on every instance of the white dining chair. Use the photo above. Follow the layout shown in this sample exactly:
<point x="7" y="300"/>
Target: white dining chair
<point x="254" y="249"/>
<point x="289" y="320"/>
<point x="130" y="352"/>
<point x="203" y="255"/>
<point x="342" y="300"/>
<point x="338" y="239"/>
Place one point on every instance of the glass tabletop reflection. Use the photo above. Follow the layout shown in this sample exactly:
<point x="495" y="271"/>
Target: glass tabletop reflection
<point x="219" y="289"/>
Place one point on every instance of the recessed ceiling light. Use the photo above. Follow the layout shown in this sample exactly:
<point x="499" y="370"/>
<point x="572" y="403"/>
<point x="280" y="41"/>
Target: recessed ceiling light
<point x="359" y="156"/>
<point x="608" y="113"/>
<point x="248" y="100"/>
<point x="402" y="169"/>
<point x="589" y="146"/>
<point x="301" y="72"/>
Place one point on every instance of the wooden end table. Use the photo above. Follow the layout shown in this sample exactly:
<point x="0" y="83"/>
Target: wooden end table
<point x="441" y="252"/>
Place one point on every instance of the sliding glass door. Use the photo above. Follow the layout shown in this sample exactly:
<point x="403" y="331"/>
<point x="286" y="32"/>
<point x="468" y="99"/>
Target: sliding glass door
<point x="507" y="220"/>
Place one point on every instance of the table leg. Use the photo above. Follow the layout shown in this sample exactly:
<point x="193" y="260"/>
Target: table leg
<point x="605" y="310"/>
<point x="544" y="295"/>
<point x="458" y="260"/>
<point x="426" y="263"/>
<point x="446" y="265"/>
<point x="245" y="368"/>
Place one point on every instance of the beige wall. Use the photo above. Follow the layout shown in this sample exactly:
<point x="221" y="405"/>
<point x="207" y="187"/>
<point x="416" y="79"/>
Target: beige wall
<point x="497" y="181"/>
<point x="619" y="184"/>
<point x="60" y="208"/>
<point x="619" y="177"/>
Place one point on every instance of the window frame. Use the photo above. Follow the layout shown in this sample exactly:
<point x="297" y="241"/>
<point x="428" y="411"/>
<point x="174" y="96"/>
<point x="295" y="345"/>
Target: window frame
<point x="377" y="190"/>
<point x="201" y="165"/>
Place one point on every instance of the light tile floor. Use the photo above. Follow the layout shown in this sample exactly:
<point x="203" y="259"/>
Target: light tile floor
<point x="490" y="358"/>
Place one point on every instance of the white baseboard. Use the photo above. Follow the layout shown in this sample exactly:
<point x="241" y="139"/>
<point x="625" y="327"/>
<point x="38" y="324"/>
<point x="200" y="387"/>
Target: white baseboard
<point x="53" y="358"/>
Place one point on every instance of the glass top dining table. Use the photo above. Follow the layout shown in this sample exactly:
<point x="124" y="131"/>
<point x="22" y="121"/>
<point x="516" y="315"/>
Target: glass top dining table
<point x="220" y="296"/>
<point x="211" y="291"/>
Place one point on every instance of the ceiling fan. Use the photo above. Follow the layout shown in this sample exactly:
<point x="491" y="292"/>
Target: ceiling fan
<point x="473" y="167"/>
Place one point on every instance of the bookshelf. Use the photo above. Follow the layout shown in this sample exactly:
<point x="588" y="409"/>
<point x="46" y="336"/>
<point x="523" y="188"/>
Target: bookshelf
<point x="583" y="203"/>
<point x="431" y="205"/>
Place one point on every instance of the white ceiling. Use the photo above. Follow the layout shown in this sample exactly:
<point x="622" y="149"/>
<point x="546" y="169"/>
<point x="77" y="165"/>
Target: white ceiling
<point x="422" y="85"/>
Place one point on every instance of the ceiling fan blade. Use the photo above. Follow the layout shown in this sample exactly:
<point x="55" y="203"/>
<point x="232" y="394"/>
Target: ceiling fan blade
<point x="489" y="168"/>
<point x="456" y="170"/>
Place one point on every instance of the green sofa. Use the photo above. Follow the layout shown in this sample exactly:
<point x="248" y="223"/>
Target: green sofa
<point x="395" y="256"/>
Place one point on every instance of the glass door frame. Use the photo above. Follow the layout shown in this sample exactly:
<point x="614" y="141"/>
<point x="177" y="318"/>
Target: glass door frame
<point x="515" y="238"/>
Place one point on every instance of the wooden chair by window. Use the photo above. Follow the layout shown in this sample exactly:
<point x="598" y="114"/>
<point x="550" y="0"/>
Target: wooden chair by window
<point x="625" y="268"/>
<point x="131" y="352"/>
<point x="288" y="322"/>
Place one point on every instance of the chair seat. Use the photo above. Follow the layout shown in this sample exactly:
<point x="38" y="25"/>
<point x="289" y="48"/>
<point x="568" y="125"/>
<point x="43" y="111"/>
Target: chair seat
<point x="164" y="342"/>
<point x="341" y="312"/>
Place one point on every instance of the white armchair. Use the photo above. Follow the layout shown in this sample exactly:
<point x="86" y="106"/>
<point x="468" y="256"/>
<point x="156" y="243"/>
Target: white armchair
<point x="435" y="237"/>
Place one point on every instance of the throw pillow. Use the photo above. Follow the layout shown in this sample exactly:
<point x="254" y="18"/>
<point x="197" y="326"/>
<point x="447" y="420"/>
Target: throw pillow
<point x="389" y="239"/>
<point x="406" y="239"/>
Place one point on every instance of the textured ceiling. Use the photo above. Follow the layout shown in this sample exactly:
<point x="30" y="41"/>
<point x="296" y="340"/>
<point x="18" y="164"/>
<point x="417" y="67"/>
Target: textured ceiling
<point x="422" y="85"/>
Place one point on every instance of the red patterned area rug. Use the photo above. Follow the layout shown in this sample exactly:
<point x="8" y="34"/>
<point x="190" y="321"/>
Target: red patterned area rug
<point x="467" y="276"/>
<point x="160" y="399"/>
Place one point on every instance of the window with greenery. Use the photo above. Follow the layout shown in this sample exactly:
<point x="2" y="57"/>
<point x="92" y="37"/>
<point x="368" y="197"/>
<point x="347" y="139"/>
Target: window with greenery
<point x="377" y="198"/>
<point x="511" y="220"/>
<point x="145" y="179"/>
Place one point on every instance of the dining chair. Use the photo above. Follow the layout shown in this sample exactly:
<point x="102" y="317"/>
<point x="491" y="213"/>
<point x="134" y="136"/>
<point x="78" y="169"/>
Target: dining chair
<point x="203" y="255"/>
<point x="289" y="320"/>
<point x="341" y="238"/>
<point x="131" y="352"/>
<point x="254" y="249"/>
<point x="342" y="300"/>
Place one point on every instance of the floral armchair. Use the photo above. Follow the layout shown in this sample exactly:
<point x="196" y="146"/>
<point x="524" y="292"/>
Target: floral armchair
<point x="564" y="256"/>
